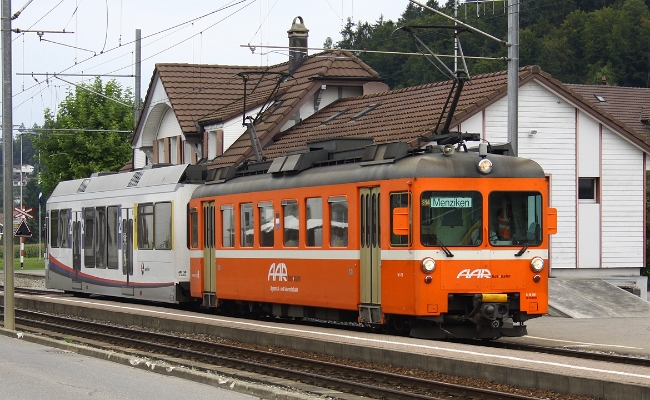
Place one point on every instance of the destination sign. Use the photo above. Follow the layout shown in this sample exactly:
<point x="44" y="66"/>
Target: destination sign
<point x="451" y="202"/>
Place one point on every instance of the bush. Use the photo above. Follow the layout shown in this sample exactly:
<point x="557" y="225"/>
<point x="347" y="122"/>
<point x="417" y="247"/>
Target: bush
<point x="31" y="250"/>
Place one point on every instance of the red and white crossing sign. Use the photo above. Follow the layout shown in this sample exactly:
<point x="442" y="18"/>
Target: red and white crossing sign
<point x="21" y="213"/>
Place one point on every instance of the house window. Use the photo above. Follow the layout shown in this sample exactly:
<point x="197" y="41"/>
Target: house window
<point x="173" y="150"/>
<point x="588" y="189"/>
<point x="161" y="151"/>
<point x="215" y="143"/>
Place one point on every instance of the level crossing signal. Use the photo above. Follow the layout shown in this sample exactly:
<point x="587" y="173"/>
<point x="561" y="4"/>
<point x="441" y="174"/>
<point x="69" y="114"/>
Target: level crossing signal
<point x="23" y="230"/>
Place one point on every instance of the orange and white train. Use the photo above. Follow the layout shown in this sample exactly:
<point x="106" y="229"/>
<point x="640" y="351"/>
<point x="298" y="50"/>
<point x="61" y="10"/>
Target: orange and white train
<point x="430" y="243"/>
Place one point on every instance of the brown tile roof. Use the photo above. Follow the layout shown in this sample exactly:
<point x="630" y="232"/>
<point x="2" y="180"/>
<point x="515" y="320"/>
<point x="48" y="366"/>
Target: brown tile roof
<point x="338" y="65"/>
<point x="628" y="105"/>
<point x="209" y="92"/>
<point x="406" y="114"/>
<point x="200" y="93"/>
<point x="399" y="115"/>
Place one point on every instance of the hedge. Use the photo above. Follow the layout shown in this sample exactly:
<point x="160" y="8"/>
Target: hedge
<point x="31" y="250"/>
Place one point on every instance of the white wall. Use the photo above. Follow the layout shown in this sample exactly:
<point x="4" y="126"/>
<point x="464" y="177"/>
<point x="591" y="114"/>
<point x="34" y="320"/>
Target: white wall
<point x="554" y="148"/>
<point x="588" y="146"/>
<point x="622" y="203"/>
<point x="589" y="222"/>
<point x="589" y="235"/>
<point x="473" y="125"/>
<point x="233" y="128"/>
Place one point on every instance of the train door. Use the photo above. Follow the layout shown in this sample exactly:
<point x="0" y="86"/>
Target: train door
<point x="370" y="279"/>
<point x="209" y="262"/>
<point x="127" y="249"/>
<point x="76" y="249"/>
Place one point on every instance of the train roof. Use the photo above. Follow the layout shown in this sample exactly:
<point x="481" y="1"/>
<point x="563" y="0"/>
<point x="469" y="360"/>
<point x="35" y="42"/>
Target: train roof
<point x="155" y="176"/>
<point x="382" y="164"/>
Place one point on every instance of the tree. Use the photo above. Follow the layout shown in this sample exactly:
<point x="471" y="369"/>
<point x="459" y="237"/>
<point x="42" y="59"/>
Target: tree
<point x="328" y="43"/>
<point x="576" y="41"/>
<point x="90" y="133"/>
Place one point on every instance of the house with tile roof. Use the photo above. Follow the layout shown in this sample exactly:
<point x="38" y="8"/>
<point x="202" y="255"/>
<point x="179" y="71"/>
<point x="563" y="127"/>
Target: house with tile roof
<point x="195" y="112"/>
<point x="592" y="141"/>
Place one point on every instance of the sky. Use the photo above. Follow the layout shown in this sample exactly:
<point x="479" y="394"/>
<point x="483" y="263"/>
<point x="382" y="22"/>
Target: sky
<point x="99" y="36"/>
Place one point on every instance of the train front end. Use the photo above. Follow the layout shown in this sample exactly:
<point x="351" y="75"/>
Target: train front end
<point x="479" y="252"/>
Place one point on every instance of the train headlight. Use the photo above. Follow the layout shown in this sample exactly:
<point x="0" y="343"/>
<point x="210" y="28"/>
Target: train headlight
<point x="484" y="166"/>
<point x="537" y="264"/>
<point x="428" y="265"/>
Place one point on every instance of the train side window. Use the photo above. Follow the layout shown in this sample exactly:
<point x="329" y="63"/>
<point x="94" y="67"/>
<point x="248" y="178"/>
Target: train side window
<point x="247" y="225"/>
<point x="100" y="237"/>
<point x="89" y="238"/>
<point x="314" y="222"/>
<point x="47" y="234"/>
<point x="227" y="227"/>
<point x="112" y="236"/>
<point x="338" y="221"/>
<point x="162" y="226"/>
<point x="266" y="224"/>
<point x="64" y="229"/>
<point x="145" y="226"/>
<point x="54" y="228"/>
<point x="398" y="200"/>
<point x="291" y="223"/>
<point x="194" y="228"/>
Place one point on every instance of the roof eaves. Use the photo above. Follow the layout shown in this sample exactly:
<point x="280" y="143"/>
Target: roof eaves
<point x="598" y="113"/>
<point x="145" y="105"/>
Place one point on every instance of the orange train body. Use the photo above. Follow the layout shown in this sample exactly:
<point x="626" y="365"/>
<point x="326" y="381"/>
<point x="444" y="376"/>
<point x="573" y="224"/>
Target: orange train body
<point x="272" y="253"/>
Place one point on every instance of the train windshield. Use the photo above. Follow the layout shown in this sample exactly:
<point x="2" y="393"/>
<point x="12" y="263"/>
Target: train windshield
<point x="451" y="218"/>
<point x="515" y="218"/>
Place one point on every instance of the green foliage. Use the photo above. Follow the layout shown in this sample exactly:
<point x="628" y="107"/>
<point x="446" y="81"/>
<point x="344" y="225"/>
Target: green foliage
<point x="576" y="41"/>
<point x="31" y="251"/>
<point x="76" y="154"/>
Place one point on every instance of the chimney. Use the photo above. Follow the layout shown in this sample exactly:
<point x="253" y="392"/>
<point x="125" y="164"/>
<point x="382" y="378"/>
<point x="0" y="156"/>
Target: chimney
<point x="603" y="80"/>
<point x="297" y="38"/>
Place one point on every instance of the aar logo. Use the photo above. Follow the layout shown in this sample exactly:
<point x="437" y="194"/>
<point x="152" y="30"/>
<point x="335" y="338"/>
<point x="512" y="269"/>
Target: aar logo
<point x="477" y="273"/>
<point x="278" y="272"/>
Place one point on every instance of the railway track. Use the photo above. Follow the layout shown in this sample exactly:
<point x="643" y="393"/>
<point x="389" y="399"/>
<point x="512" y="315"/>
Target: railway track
<point x="344" y="378"/>
<point x="560" y="351"/>
<point x="565" y="352"/>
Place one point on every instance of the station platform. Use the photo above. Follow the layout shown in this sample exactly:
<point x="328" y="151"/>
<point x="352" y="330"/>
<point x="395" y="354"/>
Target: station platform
<point x="561" y="374"/>
<point x="38" y="371"/>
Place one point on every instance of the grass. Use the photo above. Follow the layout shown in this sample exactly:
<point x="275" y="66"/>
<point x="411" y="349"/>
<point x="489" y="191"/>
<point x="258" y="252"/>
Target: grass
<point x="29" y="264"/>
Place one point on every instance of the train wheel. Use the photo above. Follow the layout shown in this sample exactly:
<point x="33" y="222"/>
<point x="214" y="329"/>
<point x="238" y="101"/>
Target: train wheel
<point x="398" y="325"/>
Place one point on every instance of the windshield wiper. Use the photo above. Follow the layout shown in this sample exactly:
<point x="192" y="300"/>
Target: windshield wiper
<point x="442" y="246"/>
<point x="523" y="249"/>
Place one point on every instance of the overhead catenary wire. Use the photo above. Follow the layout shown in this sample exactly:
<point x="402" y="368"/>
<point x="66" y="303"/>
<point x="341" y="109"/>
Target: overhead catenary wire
<point x="229" y="5"/>
<point x="373" y="51"/>
<point x="234" y="3"/>
<point x="94" y="92"/>
<point x="46" y="14"/>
